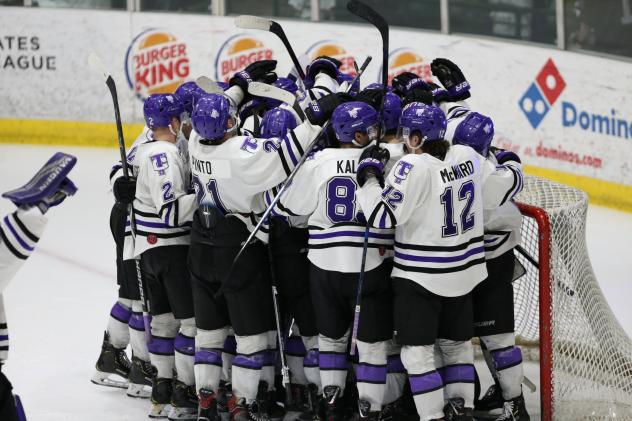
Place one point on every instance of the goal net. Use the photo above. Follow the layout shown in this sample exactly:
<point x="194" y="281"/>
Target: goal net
<point x="585" y="356"/>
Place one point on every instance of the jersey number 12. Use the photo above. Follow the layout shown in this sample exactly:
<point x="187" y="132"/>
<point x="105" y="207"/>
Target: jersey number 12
<point x="466" y="193"/>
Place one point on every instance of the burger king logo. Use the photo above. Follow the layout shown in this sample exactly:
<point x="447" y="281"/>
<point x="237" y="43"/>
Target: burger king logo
<point x="237" y="52"/>
<point x="332" y="49"/>
<point x="156" y="62"/>
<point x="407" y="60"/>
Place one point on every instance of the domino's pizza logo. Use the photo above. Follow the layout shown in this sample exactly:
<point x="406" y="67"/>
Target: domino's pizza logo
<point x="542" y="94"/>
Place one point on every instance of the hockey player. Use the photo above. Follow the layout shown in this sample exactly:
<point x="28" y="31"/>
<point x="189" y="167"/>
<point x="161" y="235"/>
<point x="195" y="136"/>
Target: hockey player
<point x="161" y="226"/>
<point x="230" y="173"/>
<point x="19" y="233"/>
<point x="288" y="246"/>
<point x="325" y="190"/>
<point x="125" y="322"/>
<point x="435" y="197"/>
<point x="493" y="298"/>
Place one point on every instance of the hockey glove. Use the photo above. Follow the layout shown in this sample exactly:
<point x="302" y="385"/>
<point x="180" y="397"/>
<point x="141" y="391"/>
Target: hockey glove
<point x="320" y="110"/>
<point x="407" y="81"/>
<point x="439" y="94"/>
<point x="66" y="188"/>
<point x="451" y="78"/>
<point x="321" y="64"/>
<point x="124" y="190"/>
<point x="251" y="73"/>
<point x="372" y="163"/>
<point x="373" y="97"/>
<point x="418" y="95"/>
<point x="503" y="156"/>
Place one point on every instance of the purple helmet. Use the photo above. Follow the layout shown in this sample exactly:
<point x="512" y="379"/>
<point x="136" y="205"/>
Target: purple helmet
<point x="277" y="122"/>
<point x="477" y="131"/>
<point x="189" y="92"/>
<point x="352" y="117"/>
<point x="376" y="85"/>
<point x="158" y="110"/>
<point x="392" y="111"/>
<point x="210" y="116"/>
<point x="426" y="119"/>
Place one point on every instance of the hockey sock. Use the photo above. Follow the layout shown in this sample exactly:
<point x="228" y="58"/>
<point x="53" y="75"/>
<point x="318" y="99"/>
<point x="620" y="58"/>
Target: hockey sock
<point x="247" y="365"/>
<point x="371" y="373"/>
<point x="489" y="361"/>
<point x="137" y="332"/>
<point x="310" y="362"/>
<point x="117" y="323"/>
<point x="164" y="329"/>
<point x="458" y="370"/>
<point x="332" y="361"/>
<point x="425" y="382"/>
<point x="268" y="364"/>
<point x="185" y="352"/>
<point x="208" y="357"/>
<point x="507" y="362"/>
<point x="395" y="374"/>
<point x="228" y="354"/>
<point x="295" y="355"/>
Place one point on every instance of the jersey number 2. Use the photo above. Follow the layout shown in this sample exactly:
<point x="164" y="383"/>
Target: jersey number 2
<point x="466" y="193"/>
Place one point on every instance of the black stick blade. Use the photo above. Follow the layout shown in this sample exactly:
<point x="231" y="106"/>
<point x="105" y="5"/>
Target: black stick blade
<point x="365" y="12"/>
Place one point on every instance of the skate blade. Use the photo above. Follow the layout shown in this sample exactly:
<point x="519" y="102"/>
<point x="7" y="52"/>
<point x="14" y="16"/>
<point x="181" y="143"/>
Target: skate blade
<point x="103" y="379"/>
<point x="141" y="391"/>
<point x="159" y="410"/>
<point x="182" y="414"/>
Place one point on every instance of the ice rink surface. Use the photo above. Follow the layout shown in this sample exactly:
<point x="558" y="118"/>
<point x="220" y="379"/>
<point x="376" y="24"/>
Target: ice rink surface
<point x="58" y="304"/>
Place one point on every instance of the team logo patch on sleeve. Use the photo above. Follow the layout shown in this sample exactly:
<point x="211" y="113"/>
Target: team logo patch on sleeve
<point x="159" y="162"/>
<point x="250" y="145"/>
<point x="402" y="170"/>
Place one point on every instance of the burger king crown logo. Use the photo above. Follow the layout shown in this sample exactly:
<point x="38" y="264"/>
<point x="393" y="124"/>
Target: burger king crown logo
<point x="237" y="52"/>
<point x="407" y="60"/>
<point x="332" y="49"/>
<point x="156" y="62"/>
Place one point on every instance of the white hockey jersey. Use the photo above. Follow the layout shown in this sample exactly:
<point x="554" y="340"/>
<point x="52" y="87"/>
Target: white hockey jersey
<point x="117" y="169"/>
<point x="325" y="188"/>
<point x="20" y="231"/>
<point x="502" y="223"/>
<point x="437" y="209"/>
<point x="163" y="209"/>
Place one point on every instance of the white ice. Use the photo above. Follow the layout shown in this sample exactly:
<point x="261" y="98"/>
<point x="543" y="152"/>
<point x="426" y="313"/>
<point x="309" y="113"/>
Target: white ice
<point x="59" y="302"/>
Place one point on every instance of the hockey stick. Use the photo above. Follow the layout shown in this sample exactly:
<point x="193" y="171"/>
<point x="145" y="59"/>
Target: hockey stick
<point x="263" y="24"/>
<point x="268" y="91"/>
<point x="287" y="182"/>
<point x="208" y="85"/>
<point x="365" y="12"/>
<point x="97" y="65"/>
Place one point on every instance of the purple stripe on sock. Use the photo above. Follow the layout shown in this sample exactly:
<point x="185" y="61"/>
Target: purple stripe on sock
<point x="161" y="346"/>
<point x="424" y="383"/>
<point x="294" y="346"/>
<point x="253" y="362"/>
<point x="371" y="373"/>
<point x="16" y="235"/>
<point x="269" y="357"/>
<point x="311" y="358"/>
<point x="4" y="337"/>
<point x="120" y="313"/>
<point x="185" y="345"/>
<point x="230" y="345"/>
<point x="395" y="364"/>
<point x="332" y="361"/>
<point x="208" y="356"/>
<point x="458" y="373"/>
<point x="136" y="321"/>
<point x="507" y="357"/>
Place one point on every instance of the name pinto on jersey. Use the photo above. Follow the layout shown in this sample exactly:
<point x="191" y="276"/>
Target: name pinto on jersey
<point x="200" y="166"/>
<point x="456" y="172"/>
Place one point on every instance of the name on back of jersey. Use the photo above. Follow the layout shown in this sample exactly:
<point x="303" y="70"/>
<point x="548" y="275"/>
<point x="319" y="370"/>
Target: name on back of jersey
<point x="346" y="166"/>
<point x="216" y="168"/>
<point x="458" y="171"/>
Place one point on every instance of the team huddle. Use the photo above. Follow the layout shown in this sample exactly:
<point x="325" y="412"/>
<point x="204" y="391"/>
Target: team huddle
<point x="390" y="248"/>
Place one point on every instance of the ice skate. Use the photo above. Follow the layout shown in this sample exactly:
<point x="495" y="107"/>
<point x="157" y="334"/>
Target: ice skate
<point x="113" y="366"/>
<point x="184" y="402"/>
<point x="140" y="378"/>
<point x="397" y="411"/>
<point x="334" y="404"/>
<point x="240" y="411"/>
<point x="161" y="398"/>
<point x="267" y="404"/>
<point x="491" y="404"/>
<point x="514" y="410"/>
<point x="315" y="410"/>
<point x="455" y="410"/>
<point x="207" y="406"/>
